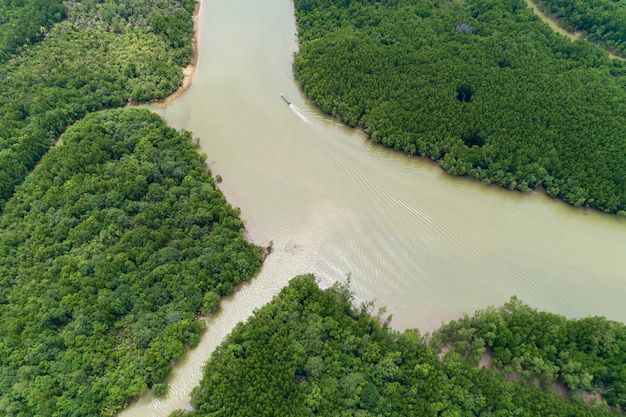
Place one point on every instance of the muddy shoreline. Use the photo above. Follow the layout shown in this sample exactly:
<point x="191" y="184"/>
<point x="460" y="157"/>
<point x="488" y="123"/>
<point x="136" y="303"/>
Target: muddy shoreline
<point x="189" y="72"/>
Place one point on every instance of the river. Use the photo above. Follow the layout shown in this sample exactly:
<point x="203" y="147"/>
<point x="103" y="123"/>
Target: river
<point x="426" y="245"/>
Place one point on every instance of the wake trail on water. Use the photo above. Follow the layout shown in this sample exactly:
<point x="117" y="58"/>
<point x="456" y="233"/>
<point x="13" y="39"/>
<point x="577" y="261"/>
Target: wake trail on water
<point x="299" y="113"/>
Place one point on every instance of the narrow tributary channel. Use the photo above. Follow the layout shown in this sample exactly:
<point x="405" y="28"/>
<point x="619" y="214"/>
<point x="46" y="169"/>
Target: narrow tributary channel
<point x="555" y="26"/>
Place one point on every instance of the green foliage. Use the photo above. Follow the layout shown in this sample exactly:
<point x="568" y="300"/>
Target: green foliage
<point x="602" y="21"/>
<point x="25" y="22"/>
<point x="159" y="389"/>
<point x="585" y="354"/>
<point x="309" y="353"/>
<point x="106" y="252"/>
<point x="211" y="302"/>
<point x="105" y="54"/>
<point x="482" y="86"/>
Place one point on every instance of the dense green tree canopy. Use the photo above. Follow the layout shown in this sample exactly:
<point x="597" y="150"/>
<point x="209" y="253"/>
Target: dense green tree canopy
<point x="586" y="354"/>
<point x="105" y="54"/>
<point x="25" y="22"/>
<point x="602" y="21"/>
<point x="109" y="251"/>
<point x="310" y="353"/>
<point x="482" y="86"/>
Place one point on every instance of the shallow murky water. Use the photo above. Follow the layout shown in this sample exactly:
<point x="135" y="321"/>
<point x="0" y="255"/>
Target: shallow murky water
<point x="426" y="245"/>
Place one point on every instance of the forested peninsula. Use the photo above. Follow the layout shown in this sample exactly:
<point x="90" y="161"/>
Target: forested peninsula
<point x="98" y="54"/>
<point x="311" y="353"/>
<point x="109" y="252"/>
<point x="481" y="86"/>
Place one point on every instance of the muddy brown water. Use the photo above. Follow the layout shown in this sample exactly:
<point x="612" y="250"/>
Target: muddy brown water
<point x="426" y="245"/>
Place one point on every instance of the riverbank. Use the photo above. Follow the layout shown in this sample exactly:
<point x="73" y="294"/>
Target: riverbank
<point x="189" y="72"/>
<point x="336" y="204"/>
<point x="554" y="24"/>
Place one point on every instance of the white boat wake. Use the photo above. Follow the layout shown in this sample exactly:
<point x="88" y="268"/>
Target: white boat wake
<point x="294" y="108"/>
<point x="297" y="111"/>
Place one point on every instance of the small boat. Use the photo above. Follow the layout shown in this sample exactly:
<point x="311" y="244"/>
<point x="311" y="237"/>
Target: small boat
<point x="285" y="98"/>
